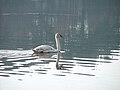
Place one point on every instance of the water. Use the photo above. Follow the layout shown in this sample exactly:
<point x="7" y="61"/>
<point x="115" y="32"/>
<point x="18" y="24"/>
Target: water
<point x="20" y="69"/>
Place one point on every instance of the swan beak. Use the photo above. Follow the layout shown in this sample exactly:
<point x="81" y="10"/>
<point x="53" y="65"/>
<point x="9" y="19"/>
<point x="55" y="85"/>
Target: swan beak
<point x="61" y="36"/>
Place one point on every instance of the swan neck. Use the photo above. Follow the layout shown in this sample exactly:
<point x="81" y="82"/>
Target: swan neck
<point x="57" y="44"/>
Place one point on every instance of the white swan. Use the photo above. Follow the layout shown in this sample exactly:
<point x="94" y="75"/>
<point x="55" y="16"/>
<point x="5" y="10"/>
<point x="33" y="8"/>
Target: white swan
<point x="47" y="48"/>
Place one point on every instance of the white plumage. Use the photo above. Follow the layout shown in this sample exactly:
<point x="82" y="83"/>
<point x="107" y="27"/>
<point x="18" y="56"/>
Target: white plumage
<point x="44" y="49"/>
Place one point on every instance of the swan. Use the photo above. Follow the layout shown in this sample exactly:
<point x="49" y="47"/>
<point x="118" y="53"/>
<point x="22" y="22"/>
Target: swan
<point x="47" y="48"/>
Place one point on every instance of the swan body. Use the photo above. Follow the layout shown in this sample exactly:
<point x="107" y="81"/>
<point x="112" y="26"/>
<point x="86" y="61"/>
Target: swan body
<point x="47" y="48"/>
<point x="44" y="49"/>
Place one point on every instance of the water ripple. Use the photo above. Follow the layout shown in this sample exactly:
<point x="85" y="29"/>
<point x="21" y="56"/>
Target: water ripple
<point x="15" y="62"/>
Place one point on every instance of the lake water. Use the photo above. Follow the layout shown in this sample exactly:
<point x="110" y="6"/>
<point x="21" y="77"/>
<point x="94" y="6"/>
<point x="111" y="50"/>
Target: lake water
<point x="21" y="70"/>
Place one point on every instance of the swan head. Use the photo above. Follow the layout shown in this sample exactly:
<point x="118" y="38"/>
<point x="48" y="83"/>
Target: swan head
<point x="58" y="35"/>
